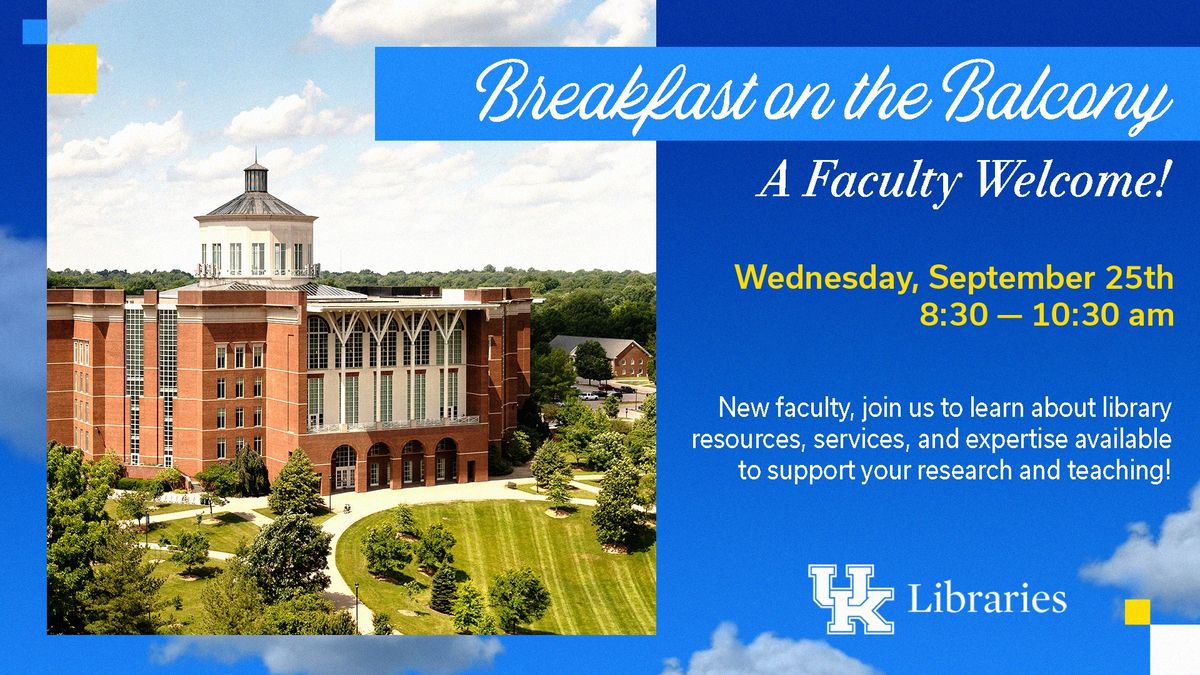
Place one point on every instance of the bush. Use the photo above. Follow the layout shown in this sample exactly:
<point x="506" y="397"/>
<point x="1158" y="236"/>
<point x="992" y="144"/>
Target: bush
<point x="151" y="485"/>
<point x="385" y="553"/>
<point x="443" y="588"/>
<point x="518" y="598"/>
<point x="518" y="447"/>
<point x="383" y="624"/>
<point x="498" y="464"/>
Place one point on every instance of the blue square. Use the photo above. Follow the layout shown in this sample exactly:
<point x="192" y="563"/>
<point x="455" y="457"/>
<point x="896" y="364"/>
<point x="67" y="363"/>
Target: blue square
<point x="34" y="32"/>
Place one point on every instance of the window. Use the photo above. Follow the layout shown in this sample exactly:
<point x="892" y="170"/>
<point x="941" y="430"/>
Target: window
<point x="450" y="394"/>
<point x="441" y="468"/>
<point x="416" y="353"/>
<point x="385" y="397"/>
<point x="220" y="448"/>
<point x="221" y="349"/>
<point x="256" y="360"/>
<point x="408" y="471"/>
<point x="354" y="347"/>
<point x="239" y="417"/>
<point x="203" y="253"/>
<point x="297" y="257"/>
<point x="451" y="350"/>
<point x="258" y="445"/>
<point x="258" y="415"/>
<point x="386" y="348"/>
<point x="216" y="258"/>
<point x="240" y="444"/>
<point x="258" y="259"/>
<point x="373" y="474"/>
<point x="318" y="343"/>
<point x="416" y="395"/>
<point x="280" y="258"/>
<point x="220" y="387"/>
<point x="221" y="418"/>
<point x="316" y="401"/>
<point x="134" y="376"/>
<point x="239" y="388"/>
<point x="351" y="399"/>
<point x="257" y="387"/>
<point x="235" y="259"/>
<point x="239" y="356"/>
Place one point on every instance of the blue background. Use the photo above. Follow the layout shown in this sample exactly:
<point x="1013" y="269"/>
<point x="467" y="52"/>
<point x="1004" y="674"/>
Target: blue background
<point x="732" y="553"/>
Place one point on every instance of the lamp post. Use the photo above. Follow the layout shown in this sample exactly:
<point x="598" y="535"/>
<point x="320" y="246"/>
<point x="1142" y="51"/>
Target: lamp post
<point x="356" y="629"/>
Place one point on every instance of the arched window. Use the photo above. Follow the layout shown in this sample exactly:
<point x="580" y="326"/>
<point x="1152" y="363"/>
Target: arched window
<point x="318" y="343"/>
<point x="379" y="450"/>
<point x="414" y="448"/>
<point x="447" y="445"/>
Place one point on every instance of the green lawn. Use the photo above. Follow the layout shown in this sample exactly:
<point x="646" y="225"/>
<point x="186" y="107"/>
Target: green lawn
<point x="592" y="592"/>
<point x="110" y="507"/>
<point x="574" y="493"/>
<point x="593" y="483"/>
<point x="223" y="536"/>
<point x="317" y="519"/>
<point x="188" y="591"/>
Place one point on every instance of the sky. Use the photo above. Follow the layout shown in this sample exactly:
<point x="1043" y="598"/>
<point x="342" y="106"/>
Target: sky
<point x="180" y="112"/>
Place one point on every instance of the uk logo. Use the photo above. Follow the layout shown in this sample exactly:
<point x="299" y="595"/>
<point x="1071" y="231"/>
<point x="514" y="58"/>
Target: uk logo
<point x="855" y="604"/>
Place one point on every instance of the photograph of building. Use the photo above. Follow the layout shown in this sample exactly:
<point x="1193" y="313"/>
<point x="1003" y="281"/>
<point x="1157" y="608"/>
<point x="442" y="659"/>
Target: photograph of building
<point x="381" y="387"/>
<point x="627" y="358"/>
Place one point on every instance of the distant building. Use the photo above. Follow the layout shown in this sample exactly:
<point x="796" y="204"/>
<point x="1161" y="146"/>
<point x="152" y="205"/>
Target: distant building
<point x="627" y="357"/>
<point x="380" y="387"/>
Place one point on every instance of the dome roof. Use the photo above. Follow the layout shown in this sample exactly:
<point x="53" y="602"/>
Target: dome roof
<point x="255" y="204"/>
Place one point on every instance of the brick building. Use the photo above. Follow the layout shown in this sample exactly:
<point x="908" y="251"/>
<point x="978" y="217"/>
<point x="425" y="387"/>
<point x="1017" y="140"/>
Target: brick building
<point x="627" y="357"/>
<point x="380" y="387"/>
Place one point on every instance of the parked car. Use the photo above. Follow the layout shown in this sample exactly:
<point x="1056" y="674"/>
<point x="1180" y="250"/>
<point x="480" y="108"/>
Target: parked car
<point x="604" y="386"/>
<point x="589" y="396"/>
<point x="626" y="389"/>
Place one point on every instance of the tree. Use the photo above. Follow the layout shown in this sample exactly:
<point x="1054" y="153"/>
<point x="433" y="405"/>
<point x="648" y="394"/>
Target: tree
<point x="611" y="405"/>
<point x="615" y="518"/>
<point x="604" y="449"/>
<point x="123" y="597"/>
<point x="517" y="446"/>
<point x="558" y="491"/>
<point x="468" y="609"/>
<point x="170" y="477"/>
<point x="498" y="464"/>
<point x="577" y="433"/>
<point x="433" y="548"/>
<point x="219" y="482"/>
<point x="297" y="488"/>
<point x="306" y="614"/>
<point x="133" y="505"/>
<point x="406" y="524"/>
<point x="552" y="376"/>
<point x="383" y="623"/>
<point x="442" y="590"/>
<point x="288" y="558"/>
<point x="251" y="473"/>
<point x="591" y="361"/>
<point x="518" y="598"/>
<point x="231" y="602"/>
<point x="190" y="550"/>
<point x="548" y="461"/>
<point x="647" y="492"/>
<point x="386" y="554"/>
<point x="76" y="529"/>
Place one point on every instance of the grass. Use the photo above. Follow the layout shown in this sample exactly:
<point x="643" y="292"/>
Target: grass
<point x="593" y="483"/>
<point x="591" y="592"/>
<point x="317" y="519"/>
<point x="573" y="493"/>
<point x="187" y="619"/>
<point x="110" y="507"/>
<point x="224" y="536"/>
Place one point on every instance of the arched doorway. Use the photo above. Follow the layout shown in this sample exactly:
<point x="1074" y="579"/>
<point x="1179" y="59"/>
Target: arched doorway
<point x="344" y="459"/>
<point x="446" y="463"/>
<point x="379" y="468"/>
<point x="413" y="463"/>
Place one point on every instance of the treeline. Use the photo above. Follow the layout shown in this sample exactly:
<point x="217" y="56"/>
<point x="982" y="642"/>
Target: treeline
<point x="134" y="283"/>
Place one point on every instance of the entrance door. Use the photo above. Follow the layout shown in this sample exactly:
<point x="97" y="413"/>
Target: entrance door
<point x="373" y="474"/>
<point x="471" y="471"/>
<point x="343" y="478"/>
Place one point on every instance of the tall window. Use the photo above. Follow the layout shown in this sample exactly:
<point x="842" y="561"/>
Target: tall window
<point x="220" y="448"/>
<point x="216" y="258"/>
<point x="135" y="343"/>
<point x="220" y="418"/>
<point x="385" y="397"/>
<point x="221" y="350"/>
<point x="318" y="343"/>
<point x="257" y="358"/>
<point x="416" y="394"/>
<point x="451" y="350"/>
<point x="235" y="259"/>
<point x="258" y="445"/>
<point x="351" y="399"/>
<point x="257" y="387"/>
<point x="297" y="257"/>
<point x="220" y="387"/>
<point x="387" y="347"/>
<point x="258" y="415"/>
<point x="239" y="387"/>
<point x="354" y="347"/>
<point x="258" y="259"/>
<point x="450" y="394"/>
<point x="239" y="417"/>
<point x="168" y="377"/>
<point x="316" y="401"/>
<point x="280" y="258"/>
<point x="239" y="356"/>
<point x="239" y="444"/>
<point x="203" y="254"/>
<point x="419" y="350"/>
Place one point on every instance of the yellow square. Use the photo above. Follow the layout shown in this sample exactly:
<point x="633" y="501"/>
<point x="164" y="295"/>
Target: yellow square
<point x="1137" y="612"/>
<point x="70" y="69"/>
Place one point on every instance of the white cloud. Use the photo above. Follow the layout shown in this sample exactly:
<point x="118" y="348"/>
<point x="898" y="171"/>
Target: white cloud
<point x="326" y="654"/>
<point x="1166" y="570"/>
<point x="137" y="141"/>
<point x="64" y="14"/>
<point x="23" y="334"/>
<point x="768" y="654"/>
<point x="481" y="22"/>
<point x="229" y="162"/>
<point x="615" y="23"/>
<point x="295" y="115"/>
